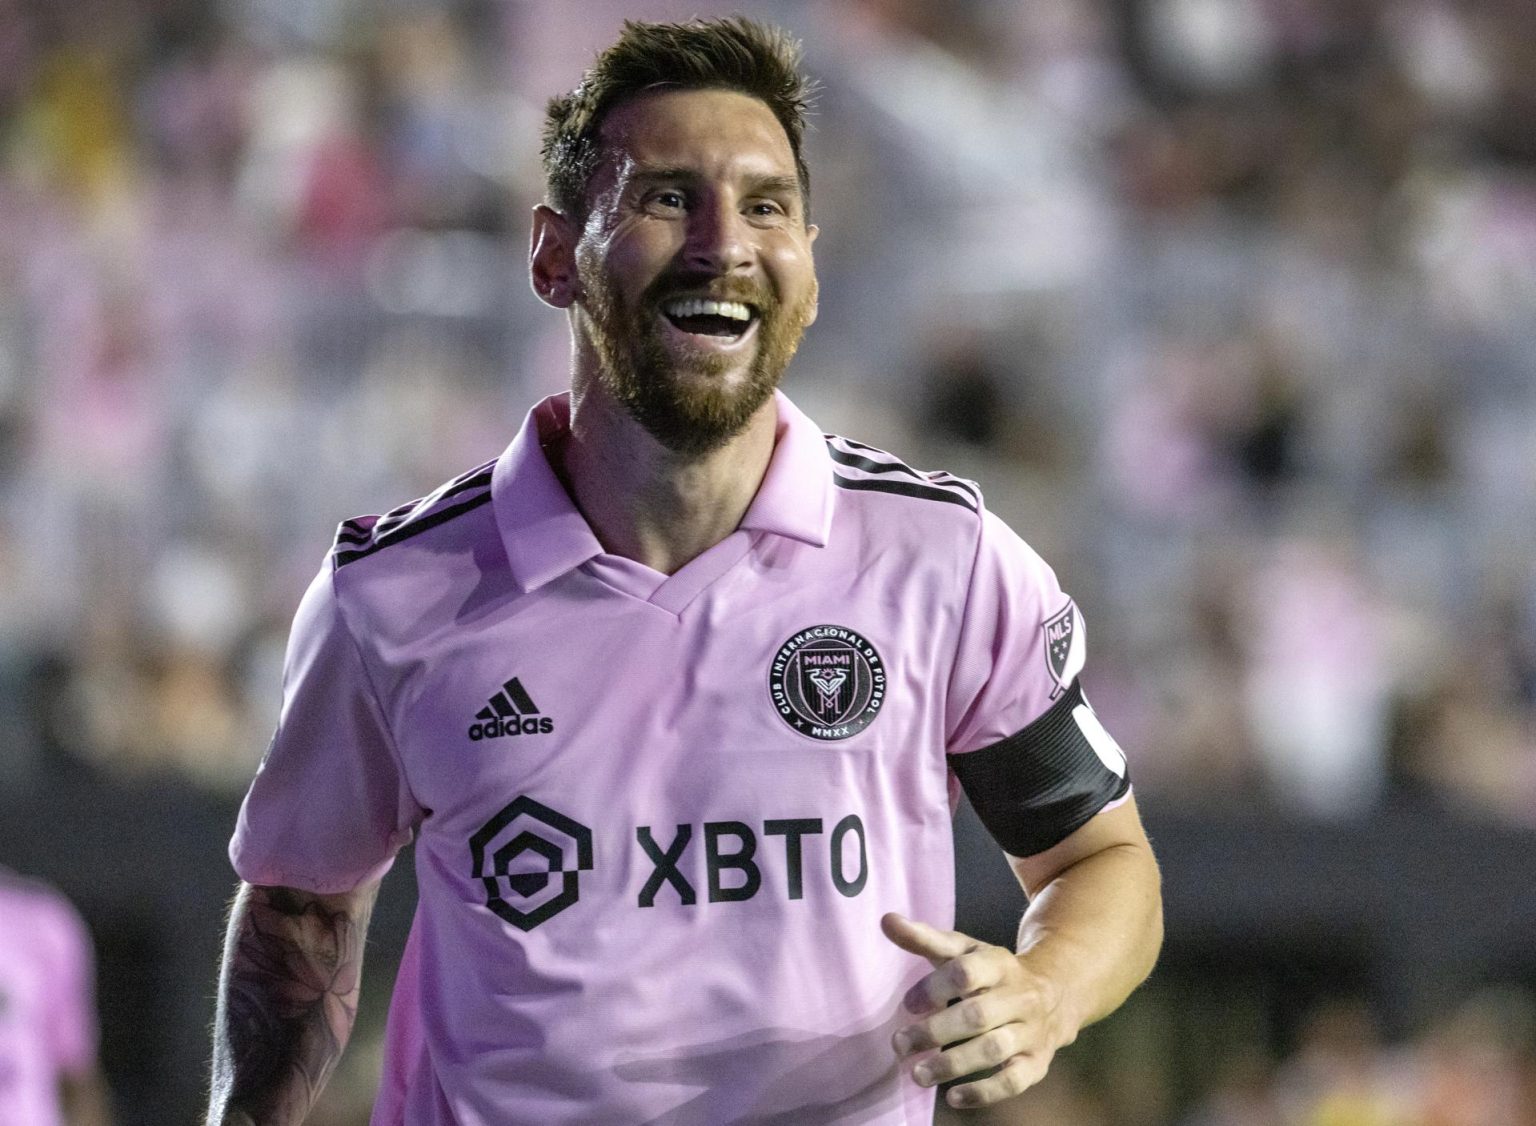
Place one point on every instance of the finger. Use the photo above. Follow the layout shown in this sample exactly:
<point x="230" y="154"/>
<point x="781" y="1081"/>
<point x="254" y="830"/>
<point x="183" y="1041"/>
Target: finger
<point x="982" y="1055"/>
<point x="961" y="1021"/>
<point x="957" y="978"/>
<point x="1014" y="1078"/>
<point x="925" y="941"/>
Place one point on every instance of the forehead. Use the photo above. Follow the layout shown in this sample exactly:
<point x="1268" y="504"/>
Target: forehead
<point x="713" y="132"/>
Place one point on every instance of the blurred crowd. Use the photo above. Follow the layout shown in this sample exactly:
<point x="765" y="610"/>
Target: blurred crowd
<point x="1230" y="305"/>
<point x="1227" y="303"/>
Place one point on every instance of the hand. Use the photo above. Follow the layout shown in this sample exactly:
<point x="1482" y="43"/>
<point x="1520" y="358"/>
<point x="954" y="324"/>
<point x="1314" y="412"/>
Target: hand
<point x="1006" y="1016"/>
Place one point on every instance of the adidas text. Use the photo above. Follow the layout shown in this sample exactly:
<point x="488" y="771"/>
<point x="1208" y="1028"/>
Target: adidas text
<point x="511" y="725"/>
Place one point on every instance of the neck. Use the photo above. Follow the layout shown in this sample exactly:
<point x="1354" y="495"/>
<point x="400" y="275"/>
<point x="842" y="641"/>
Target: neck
<point x="648" y="503"/>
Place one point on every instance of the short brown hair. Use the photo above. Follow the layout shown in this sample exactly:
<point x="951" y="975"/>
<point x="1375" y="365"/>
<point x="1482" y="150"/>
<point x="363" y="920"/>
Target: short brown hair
<point x="727" y="54"/>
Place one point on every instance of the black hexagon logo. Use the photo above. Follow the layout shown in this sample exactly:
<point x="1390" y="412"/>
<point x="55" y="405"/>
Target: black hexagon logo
<point x="519" y="852"/>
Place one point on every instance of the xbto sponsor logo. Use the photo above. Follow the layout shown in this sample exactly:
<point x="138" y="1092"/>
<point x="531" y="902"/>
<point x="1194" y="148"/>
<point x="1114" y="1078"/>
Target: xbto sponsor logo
<point x="510" y="711"/>
<point x="731" y="847"/>
<point x="517" y="854"/>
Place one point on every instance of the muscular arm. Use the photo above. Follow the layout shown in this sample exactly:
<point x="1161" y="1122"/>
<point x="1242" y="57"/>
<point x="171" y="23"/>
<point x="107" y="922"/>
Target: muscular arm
<point x="1095" y="920"/>
<point x="288" y="992"/>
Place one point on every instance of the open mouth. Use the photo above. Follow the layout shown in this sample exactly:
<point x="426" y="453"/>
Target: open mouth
<point x="711" y="321"/>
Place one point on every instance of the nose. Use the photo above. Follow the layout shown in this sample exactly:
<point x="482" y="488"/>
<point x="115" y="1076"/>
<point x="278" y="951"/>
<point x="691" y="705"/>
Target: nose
<point x="718" y="238"/>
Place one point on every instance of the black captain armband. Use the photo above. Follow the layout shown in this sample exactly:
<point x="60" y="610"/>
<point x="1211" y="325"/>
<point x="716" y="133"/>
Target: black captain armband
<point x="1034" y="788"/>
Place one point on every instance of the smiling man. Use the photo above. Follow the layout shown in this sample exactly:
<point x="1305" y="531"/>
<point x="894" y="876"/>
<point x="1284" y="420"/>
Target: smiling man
<point x="676" y="697"/>
<point x="689" y="324"/>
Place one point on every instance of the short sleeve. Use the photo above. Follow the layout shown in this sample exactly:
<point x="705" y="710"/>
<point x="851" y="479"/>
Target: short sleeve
<point x="329" y="806"/>
<point x="1023" y="740"/>
<point x="69" y="1008"/>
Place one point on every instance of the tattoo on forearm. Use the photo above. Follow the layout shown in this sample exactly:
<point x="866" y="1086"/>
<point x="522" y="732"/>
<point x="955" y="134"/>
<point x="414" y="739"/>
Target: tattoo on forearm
<point x="290" y="994"/>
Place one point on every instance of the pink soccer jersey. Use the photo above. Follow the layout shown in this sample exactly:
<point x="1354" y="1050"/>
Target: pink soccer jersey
<point x="47" y="1008"/>
<point x="658" y="818"/>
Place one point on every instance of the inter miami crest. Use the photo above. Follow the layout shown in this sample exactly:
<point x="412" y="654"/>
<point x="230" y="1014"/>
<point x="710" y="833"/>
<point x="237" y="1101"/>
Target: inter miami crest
<point x="827" y="682"/>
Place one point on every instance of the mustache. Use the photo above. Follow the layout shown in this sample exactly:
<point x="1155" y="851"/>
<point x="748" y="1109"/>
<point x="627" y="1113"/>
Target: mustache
<point x="711" y="287"/>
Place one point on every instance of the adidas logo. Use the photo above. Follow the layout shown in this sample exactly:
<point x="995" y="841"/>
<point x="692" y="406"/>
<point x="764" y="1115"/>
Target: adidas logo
<point x="510" y="712"/>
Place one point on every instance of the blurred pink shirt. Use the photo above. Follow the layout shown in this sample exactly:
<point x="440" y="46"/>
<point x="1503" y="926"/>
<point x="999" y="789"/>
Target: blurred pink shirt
<point x="47" y="1005"/>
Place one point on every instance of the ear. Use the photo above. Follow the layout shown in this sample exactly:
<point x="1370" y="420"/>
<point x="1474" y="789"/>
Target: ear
<point x="811" y="232"/>
<point x="552" y="258"/>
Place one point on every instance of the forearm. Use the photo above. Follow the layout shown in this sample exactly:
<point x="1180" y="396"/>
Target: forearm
<point x="1095" y="930"/>
<point x="287" y="997"/>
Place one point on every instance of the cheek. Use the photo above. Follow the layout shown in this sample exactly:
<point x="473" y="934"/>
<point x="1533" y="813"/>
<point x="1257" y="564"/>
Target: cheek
<point x="643" y="250"/>
<point x="792" y="264"/>
<point x="628" y="257"/>
<point x="794" y="276"/>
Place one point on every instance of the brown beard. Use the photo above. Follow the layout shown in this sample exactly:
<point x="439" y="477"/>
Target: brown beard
<point x="688" y="418"/>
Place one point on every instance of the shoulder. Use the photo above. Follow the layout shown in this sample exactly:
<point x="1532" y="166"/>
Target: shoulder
<point x="922" y="512"/>
<point x="362" y="537"/>
<point x="866" y="471"/>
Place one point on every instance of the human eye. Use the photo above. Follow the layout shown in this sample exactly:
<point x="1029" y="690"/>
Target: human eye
<point x="666" y="201"/>
<point x="770" y="210"/>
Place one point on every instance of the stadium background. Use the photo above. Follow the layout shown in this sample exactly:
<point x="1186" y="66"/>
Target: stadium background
<point x="1229" y="304"/>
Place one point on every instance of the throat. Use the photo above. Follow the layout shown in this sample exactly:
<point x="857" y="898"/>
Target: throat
<point x="647" y="505"/>
<point x="680" y="519"/>
<point x="664" y="515"/>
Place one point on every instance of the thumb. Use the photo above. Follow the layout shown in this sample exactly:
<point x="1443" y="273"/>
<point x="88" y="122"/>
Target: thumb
<point x="925" y="941"/>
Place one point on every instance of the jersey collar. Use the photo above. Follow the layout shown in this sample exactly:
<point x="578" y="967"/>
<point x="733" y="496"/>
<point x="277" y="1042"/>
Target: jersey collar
<point x="795" y="498"/>
<point x="545" y="535"/>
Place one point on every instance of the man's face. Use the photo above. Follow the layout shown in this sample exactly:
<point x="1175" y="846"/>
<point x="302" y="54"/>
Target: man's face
<point x="694" y="264"/>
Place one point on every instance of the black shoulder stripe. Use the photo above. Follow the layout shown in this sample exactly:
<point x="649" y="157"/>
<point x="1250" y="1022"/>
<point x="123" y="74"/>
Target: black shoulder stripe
<point x="903" y="489"/>
<point x="1035" y="788"/>
<point x="412" y="528"/>
<point x="940" y="478"/>
<point x="885" y="462"/>
<point x="471" y="480"/>
<point x="869" y="464"/>
<point x="855" y="445"/>
<point x="364" y="531"/>
<point x="474" y="479"/>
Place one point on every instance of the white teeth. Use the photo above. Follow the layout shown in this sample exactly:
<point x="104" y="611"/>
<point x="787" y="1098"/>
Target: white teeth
<point x="698" y="307"/>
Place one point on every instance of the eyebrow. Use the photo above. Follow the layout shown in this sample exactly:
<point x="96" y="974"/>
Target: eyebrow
<point x="770" y="184"/>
